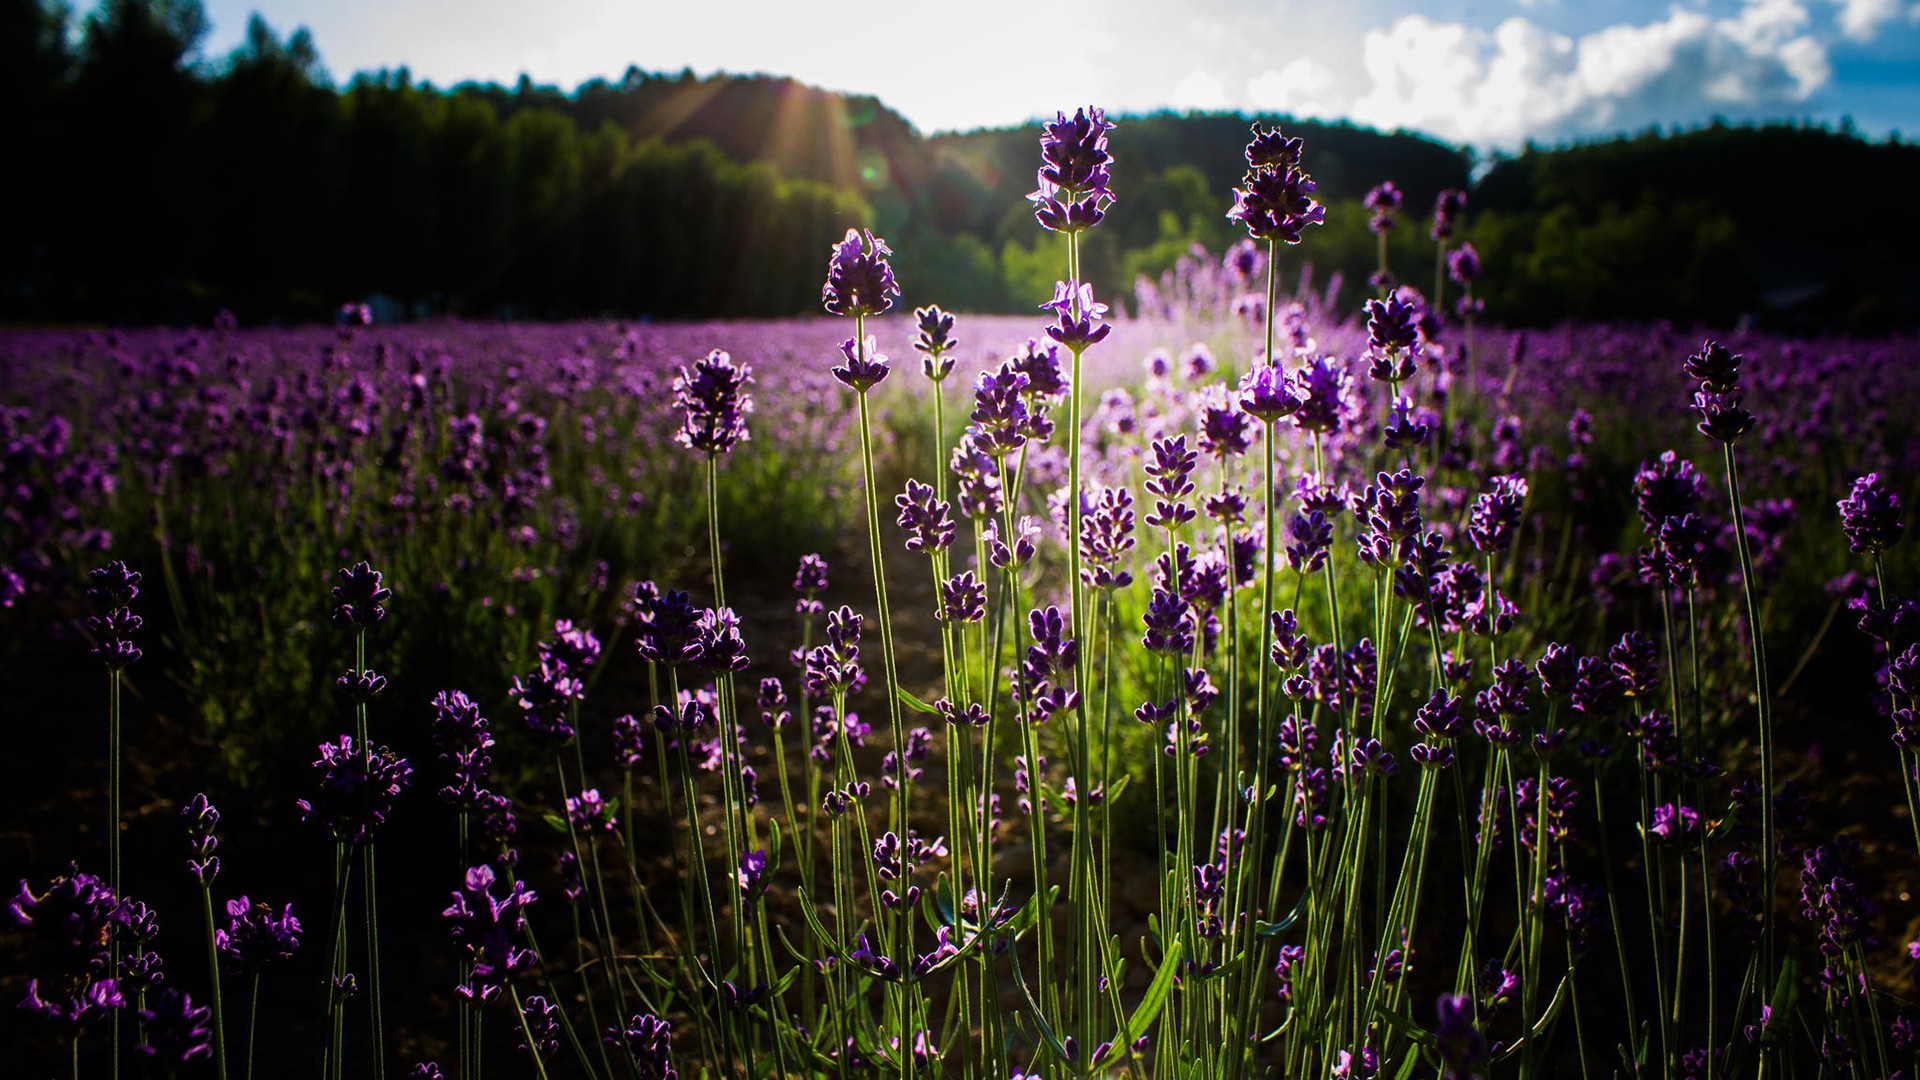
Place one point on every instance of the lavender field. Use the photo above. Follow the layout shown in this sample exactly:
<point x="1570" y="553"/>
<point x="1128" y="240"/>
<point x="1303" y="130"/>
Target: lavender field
<point x="1218" y="681"/>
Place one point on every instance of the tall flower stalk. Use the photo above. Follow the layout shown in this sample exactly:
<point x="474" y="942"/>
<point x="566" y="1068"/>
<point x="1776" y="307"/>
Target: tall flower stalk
<point x="860" y="283"/>
<point x="111" y="591"/>
<point x="202" y="819"/>
<point x="1724" y="419"/>
<point x="1073" y="193"/>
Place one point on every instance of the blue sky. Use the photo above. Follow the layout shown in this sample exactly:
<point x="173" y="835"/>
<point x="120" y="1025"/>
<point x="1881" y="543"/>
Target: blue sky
<point x="1491" y="73"/>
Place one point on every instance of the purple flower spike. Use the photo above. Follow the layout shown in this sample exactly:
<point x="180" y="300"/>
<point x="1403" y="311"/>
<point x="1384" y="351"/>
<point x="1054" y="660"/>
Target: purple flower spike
<point x="714" y="403"/>
<point x="110" y="594"/>
<point x="486" y="928"/>
<point x="1276" y="200"/>
<point x="928" y="521"/>
<point x="752" y="876"/>
<point x="1463" y="264"/>
<point x="1394" y="338"/>
<point x="589" y="812"/>
<point x="1870" y="516"/>
<point x="1383" y="201"/>
<point x="1448" y="207"/>
<point x="935" y="341"/>
<point x="1074" y="186"/>
<point x="360" y="596"/>
<point x="865" y="367"/>
<point x="358" y="789"/>
<point x="963" y="598"/>
<point x="859" y="279"/>
<point x="176" y="1030"/>
<point x="67" y="926"/>
<point x="648" y="1041"/>
<point x="256" y="936"/>
<point x="112" y="586"/>
<point x="202" y="819"/>
<point x="1078" y="316"/>
<point x="1325" y="390"/>
<point x="543" y="1026"/>
<point x="1460" y="1043"/>
<point x="1267" y="395"/>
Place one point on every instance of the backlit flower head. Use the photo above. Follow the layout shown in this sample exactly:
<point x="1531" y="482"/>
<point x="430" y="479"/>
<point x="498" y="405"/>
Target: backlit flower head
<point x="1074" y="186"/>
<point x="1870" y="516"/>
<point x="1275" y="200"/>
<point x="713" y="400"/>
<point x="859" y="278"/>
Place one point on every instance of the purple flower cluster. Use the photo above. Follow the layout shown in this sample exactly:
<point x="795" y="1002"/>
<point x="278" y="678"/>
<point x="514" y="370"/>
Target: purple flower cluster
<point x="256" y="935"/>
<point x="859" y="278"/>
<point x="1717" y="402"/>
<point x="359" y="787"/>
<point x="487" y="929"/>
<point x="68" y="928"/>
<point x="360" y="597"/>
<point x="202" y="841"/>
<point x="1075" y="181"/>
<point x="1870" y="516"/>
<point x="714" y="403"/>
<point x="1275" y="200"/>
<point x="110" y="594"/>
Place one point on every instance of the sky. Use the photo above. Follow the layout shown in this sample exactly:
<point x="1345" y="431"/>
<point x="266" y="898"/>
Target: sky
<point x="1492" y="74"/>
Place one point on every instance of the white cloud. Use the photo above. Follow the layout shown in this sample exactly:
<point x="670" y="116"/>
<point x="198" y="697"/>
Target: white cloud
<point x="1304" y="87"/>
<point x="1861" y="20"/>
<point x="1521" y="80"/>
<point x="1199" y="90"/>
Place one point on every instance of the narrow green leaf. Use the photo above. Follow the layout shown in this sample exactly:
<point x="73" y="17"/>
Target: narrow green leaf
<point x="915" y="703"/>
<point x="1157" y="992"/>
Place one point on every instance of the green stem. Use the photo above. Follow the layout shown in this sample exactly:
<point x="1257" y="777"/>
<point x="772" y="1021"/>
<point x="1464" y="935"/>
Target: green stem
<point x="213" y="972"/>
<point x="1764" y="707"/>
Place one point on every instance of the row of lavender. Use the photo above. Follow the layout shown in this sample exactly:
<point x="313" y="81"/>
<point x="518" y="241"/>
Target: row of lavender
<point x="1276" y="732"/>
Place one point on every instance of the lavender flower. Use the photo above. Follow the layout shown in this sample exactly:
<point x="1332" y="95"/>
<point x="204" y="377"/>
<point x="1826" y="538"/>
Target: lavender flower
<point x="542" y="1032"/>
<point x="202" y="819"/>
<point x="865" y="367"/>
<point x="1463" y="264"/>
<point x="1870" y="516"/>
<point x="963" y="598"/>
<point x="68" y="924"/>
<point x="255" y="936"/>
<point x="714" y="403"/>
<point x="1075" y="172"/>
<point x="935" y="341"/>
<point x="809" y="581"/>
<point x="859" y="278"/>
<point x="1496" y="514"/>
<point x="463" y="740"/>
<point x="1383" y="201"/>
<point x="1106" y="535"/>
<point x="1448" y="207"/>
<point x="1324" y="389"/>
<point x="1267" y="395"/>
<point x="929" y="520"/>
<point x="1077" y="317"/>
<point x="1718" y="400"/>
<point x="175" y="1030"/>
<point x="1225" y="431"/>
<point x="360" y="596"/>
<point x="358" y="789"/>
<point x="588" y="812"/>
<point x="1394" y="339"/>
<point x="110" y="594"/>
<point x="486" y="929"/>
<point x="648" y="1041"/>
<point x="1275" y="201"/>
